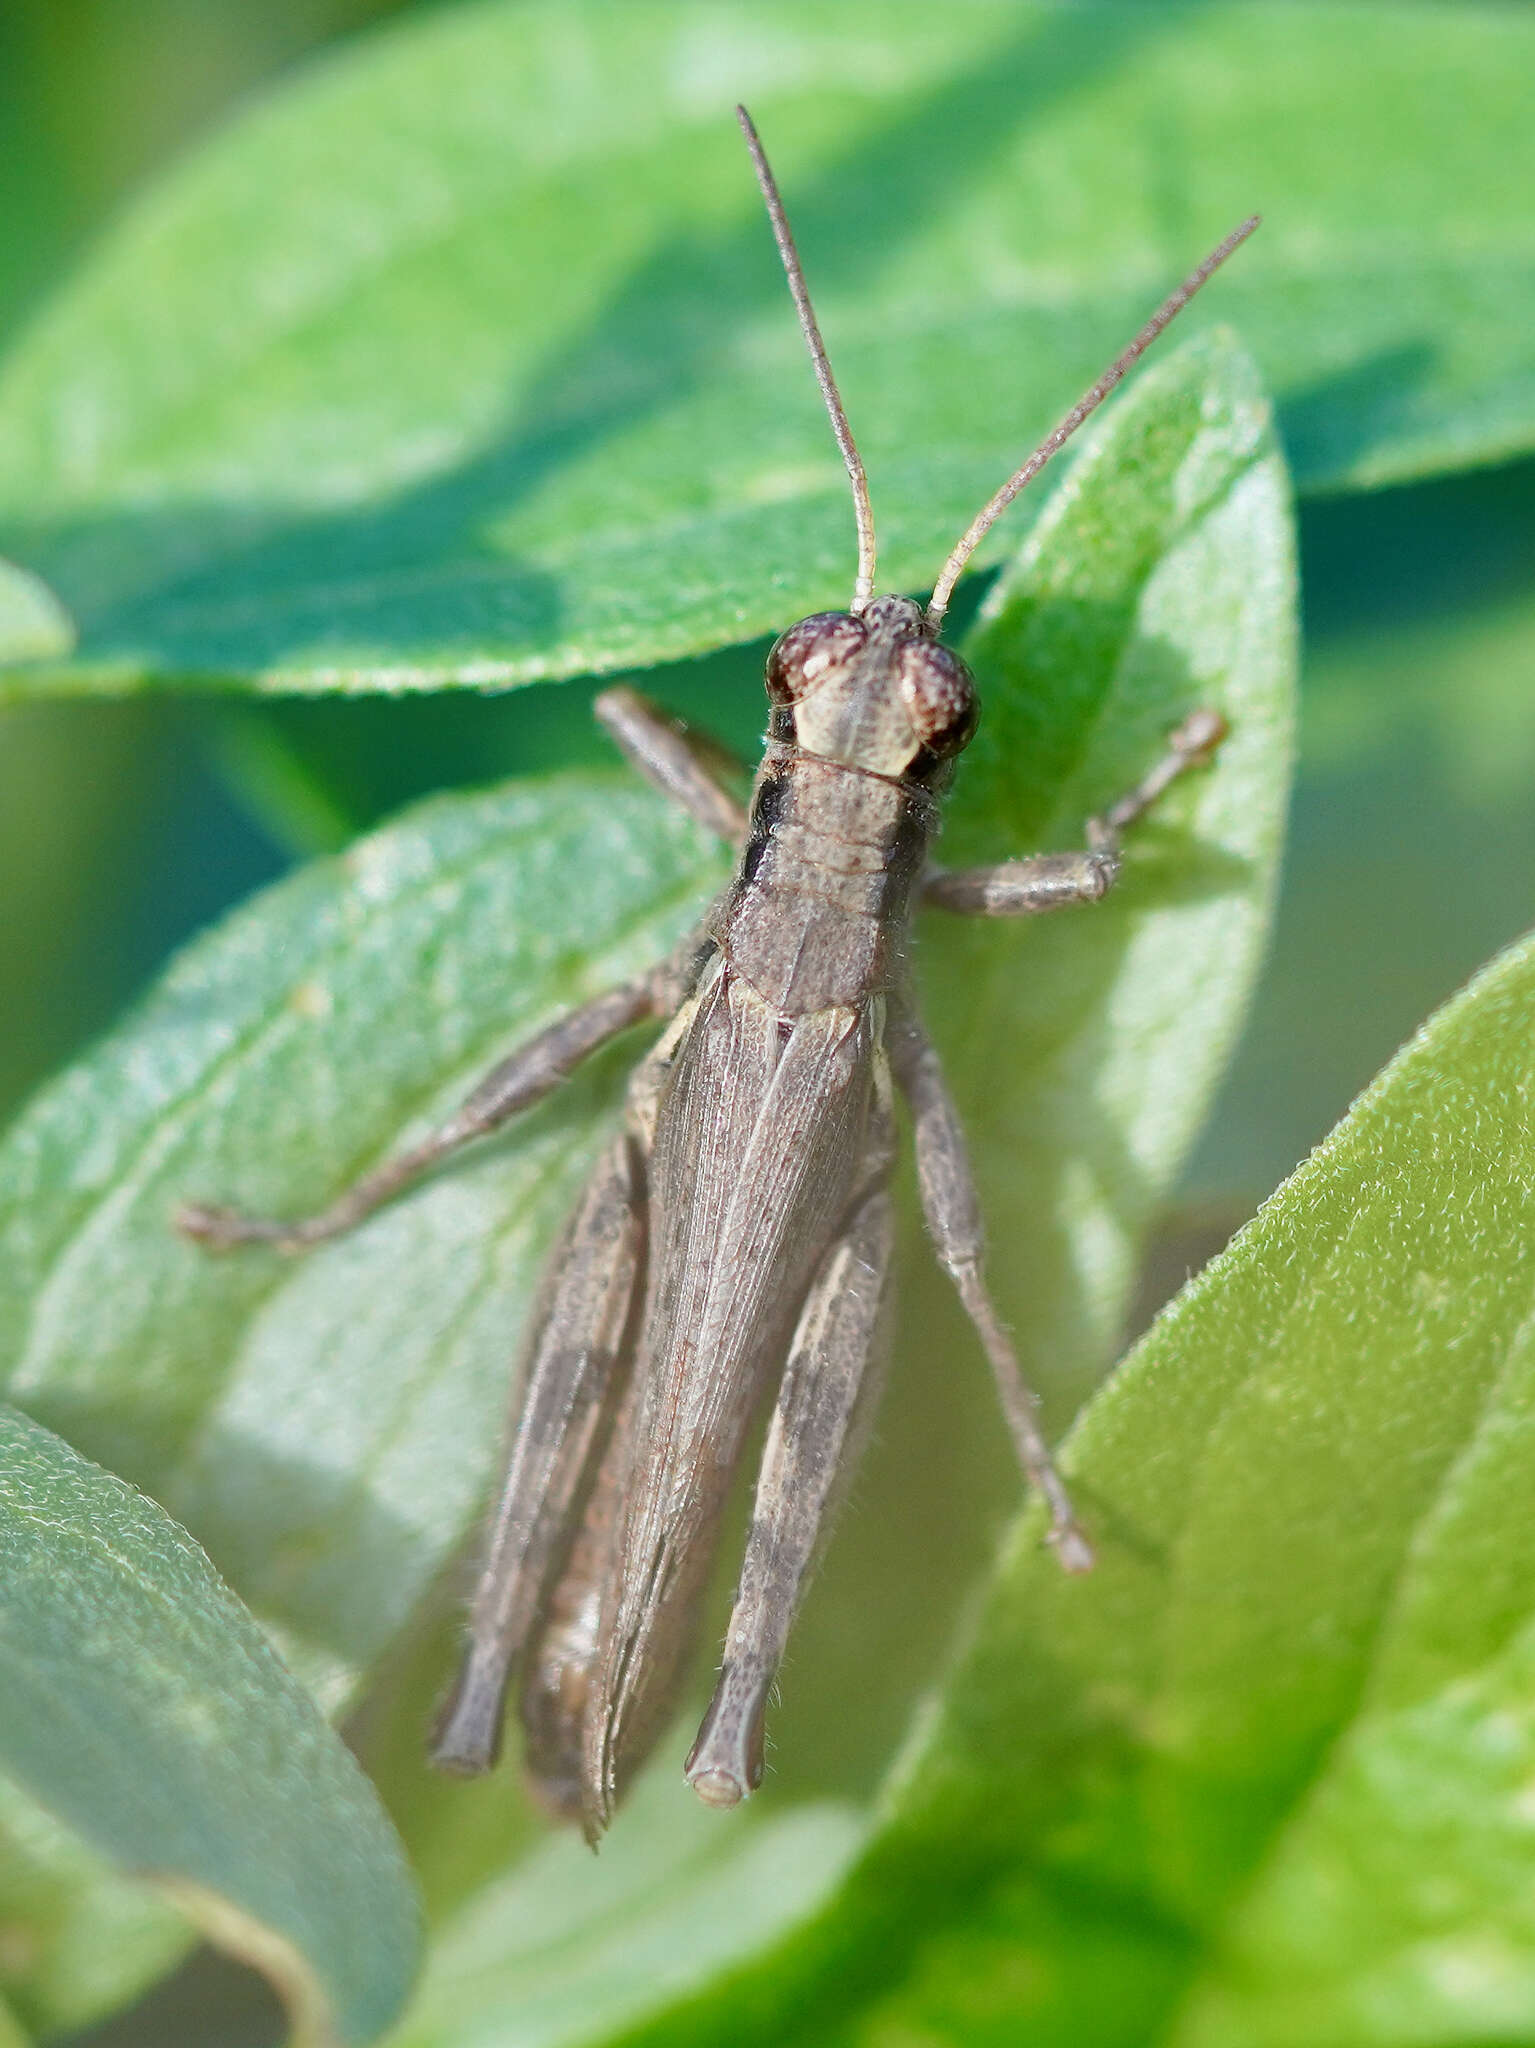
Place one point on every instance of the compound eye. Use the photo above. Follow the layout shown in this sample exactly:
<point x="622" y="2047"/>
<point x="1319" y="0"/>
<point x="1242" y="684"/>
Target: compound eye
<point x="939" y="696"/>
<point x="804" y="657"/>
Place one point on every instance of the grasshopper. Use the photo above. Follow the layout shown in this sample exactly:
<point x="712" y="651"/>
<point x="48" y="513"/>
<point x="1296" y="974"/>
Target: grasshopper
<point x="734" y="1242"/>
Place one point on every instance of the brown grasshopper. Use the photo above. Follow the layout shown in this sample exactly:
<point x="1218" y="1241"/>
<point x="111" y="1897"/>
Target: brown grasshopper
<point x="735" y="1238"/>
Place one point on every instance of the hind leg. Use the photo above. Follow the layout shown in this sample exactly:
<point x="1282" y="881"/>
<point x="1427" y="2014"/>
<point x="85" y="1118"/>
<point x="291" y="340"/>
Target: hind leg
<point x="805" y="1463"/>
<point x="577" y="1364"/>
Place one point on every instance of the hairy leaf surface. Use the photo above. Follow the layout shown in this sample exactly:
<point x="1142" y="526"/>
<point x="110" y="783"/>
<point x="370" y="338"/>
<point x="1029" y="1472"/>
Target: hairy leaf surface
<point x="466" y="357"/>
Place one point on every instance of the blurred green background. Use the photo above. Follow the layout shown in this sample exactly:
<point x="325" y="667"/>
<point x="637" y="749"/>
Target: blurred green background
<point x="125" y="827"/>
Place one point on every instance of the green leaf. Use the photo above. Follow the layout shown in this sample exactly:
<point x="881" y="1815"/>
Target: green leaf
<point x="328" y="1426"/>
<point x="1417" y="759"/>
<point x="465" y="358"/>
<point x="34" y="626"/>
<point x="80" y="1938"/>
<point x="147" y="1712"/>
<point x="1265" y="1776"/>
<point x="324" y="1430"/>
<point x="562" y="1950"/>
<point x="1160" y="576"/>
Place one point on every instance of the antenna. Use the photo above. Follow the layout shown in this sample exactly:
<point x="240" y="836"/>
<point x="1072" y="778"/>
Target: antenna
<point x="1088" y="403"/>
<point x="863" y="588"/>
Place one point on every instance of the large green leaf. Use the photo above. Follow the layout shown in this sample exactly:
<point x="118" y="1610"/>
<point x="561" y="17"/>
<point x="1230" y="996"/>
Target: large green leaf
<point x="1417" y="757"/>
<point x="466" y="357"/>
<point x="327" y="1427"/>
<point x="146" y="1710"/>
<point x="1264" y="1778"/>
<point x="324" y="1431"/>
<point x="560" y="1952"/>
<point x="1160" y="575"/>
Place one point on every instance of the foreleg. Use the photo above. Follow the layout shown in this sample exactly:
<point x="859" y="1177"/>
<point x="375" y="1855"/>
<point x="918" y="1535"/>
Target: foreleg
<point x="679" y="763"/>
<point x="1055" y="881"/>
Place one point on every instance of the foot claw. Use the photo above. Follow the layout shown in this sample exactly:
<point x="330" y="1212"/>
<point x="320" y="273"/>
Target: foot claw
<point x="204" y="1225"/>
<point x="216" y="1230"/>
<point x="719" y="1789"/>
<point x="1199" y="736"/>
<point x="1073" y="1551"/>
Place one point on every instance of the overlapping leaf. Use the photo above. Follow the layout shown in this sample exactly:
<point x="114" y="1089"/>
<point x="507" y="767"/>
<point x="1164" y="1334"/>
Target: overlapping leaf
<point x="83" y="1936"/>
<point x="328" y="1437"/>
<point x="1265" y="1777"/>
<point x="327" y="1427"/>
<point x="560" y="1951"/>
<point x="467" y="358"/>
<point x="146" y="1710"/>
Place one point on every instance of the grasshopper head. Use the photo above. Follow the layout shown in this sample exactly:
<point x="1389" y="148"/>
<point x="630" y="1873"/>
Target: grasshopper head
<point x="872" y="689"/>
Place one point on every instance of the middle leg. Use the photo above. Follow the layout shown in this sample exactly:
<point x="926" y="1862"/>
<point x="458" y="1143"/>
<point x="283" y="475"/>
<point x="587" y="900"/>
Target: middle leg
<point x="524" y="1077"/>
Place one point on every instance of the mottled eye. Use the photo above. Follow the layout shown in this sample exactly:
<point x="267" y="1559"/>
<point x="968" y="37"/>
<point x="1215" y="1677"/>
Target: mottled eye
<point x="808" y="653"/>
<point x="939" y="697"/>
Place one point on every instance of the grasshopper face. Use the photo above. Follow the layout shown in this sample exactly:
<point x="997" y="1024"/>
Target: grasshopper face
<point x="873" y="690"/>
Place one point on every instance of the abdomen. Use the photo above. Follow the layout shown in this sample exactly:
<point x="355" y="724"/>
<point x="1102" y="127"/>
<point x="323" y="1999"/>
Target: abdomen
<point x="759" y="1144"/>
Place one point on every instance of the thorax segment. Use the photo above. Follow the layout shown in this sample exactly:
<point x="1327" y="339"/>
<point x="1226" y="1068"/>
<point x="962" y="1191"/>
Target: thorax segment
<point x="818" y="912"/>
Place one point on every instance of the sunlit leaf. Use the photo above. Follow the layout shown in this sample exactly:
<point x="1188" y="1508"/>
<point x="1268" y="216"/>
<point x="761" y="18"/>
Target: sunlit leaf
<point x="1264" y="1777"/>
<point x="466" y="357"/>
<point x="562" y="1950"/>
<point x="33" y="624"/>
<point x="327" y="1427"/>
